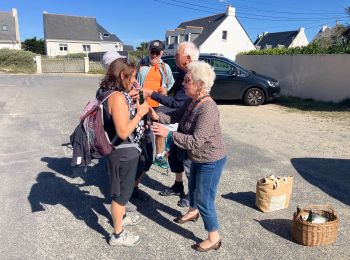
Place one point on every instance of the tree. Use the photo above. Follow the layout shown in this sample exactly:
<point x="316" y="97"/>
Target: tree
<point x="34" y="45"/>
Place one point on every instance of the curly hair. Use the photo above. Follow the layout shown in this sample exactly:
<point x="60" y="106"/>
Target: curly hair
<point x="113" y="80"/>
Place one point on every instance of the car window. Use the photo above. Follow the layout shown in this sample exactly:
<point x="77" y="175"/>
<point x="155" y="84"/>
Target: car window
<point x="171" y="63"/>
<point x="221" y="67"/>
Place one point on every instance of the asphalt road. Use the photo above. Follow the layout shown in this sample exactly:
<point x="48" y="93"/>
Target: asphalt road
<point x="50" y="212"/>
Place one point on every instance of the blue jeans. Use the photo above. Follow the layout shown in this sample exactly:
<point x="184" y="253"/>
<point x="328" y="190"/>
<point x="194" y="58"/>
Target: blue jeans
<point x="202" y="186"/>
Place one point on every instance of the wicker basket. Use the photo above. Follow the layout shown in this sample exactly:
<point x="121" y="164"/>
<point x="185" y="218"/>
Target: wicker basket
<point x="314" y="234"/>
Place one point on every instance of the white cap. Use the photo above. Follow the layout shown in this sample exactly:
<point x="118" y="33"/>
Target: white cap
<point x="109" y="57"/>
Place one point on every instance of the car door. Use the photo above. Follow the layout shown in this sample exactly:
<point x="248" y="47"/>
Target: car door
<point x="172" y="64"/>
<point x="229" y="80"/>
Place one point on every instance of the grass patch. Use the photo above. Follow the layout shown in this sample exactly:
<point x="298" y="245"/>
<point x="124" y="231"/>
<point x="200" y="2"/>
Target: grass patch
<point x="299" y="104"/>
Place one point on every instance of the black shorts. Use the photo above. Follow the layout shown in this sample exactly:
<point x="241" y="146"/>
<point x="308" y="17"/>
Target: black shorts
<point x="121" y="176"/>
<point x="176" y="165"/>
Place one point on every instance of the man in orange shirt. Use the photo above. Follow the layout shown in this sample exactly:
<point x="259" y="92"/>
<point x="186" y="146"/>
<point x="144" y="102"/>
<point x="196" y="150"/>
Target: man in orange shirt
<point x="154" y="74"/>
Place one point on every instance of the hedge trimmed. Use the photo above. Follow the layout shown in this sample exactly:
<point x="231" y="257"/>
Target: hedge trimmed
<point x="310" y="49"/>
<point x="17" y="61"/>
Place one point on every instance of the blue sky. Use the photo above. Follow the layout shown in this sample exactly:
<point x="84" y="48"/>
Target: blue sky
<point x="135" y="21"/>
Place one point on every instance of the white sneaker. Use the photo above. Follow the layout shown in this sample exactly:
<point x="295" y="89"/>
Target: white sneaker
<point x="131" y="219"/>
<point x="126" y="238"/>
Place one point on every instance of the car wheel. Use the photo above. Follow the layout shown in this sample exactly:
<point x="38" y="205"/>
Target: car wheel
<point x="254" y="97"/>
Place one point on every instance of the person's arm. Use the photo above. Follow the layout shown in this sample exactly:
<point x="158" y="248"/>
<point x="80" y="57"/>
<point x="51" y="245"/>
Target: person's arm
<point x="171" y="101"/>
<point x="208" y="117"/>
<point x="119" y="110"/>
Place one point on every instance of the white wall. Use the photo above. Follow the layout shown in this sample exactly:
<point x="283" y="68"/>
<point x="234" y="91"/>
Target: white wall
<point x="15" y="46"/>
<point x="300" y="40"/>
<point x="237" y="40"/>
<point x="53" y="48"/>
<point x="111" y="46"/>
<point x="320" y="77"/>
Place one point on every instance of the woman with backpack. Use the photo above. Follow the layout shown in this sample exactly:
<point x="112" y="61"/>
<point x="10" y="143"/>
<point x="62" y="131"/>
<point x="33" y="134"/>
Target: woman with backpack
<point x="125" y="127"/>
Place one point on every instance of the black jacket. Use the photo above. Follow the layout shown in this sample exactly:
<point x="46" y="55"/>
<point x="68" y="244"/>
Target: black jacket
<point x="177" y="96"/>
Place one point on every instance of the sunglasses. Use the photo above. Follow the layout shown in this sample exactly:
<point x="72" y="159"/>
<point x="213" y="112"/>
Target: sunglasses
<point x="155" y="52"/>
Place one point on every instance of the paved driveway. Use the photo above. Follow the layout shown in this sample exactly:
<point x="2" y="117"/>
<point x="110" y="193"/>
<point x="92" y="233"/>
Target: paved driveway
<point x="49" y="212"/>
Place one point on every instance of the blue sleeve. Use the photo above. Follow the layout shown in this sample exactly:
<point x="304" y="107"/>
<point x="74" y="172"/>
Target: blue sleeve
<point x="175" y="101"/>
<point x="171" y="80"/>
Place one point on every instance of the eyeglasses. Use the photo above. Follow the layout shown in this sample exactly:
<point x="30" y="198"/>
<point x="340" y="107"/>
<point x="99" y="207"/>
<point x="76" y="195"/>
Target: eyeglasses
<point x="154" y="52"/>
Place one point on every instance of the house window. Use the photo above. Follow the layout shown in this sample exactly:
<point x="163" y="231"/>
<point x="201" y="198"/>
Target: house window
<point x="105" y="35"/>
<point x="186" y="37"/>
<point x="176" y="39"/>
<point x="4" y="28"/>
<point x="224" y="35"/>
<point x="86" y="48"/>
<point x="63" y="47"/>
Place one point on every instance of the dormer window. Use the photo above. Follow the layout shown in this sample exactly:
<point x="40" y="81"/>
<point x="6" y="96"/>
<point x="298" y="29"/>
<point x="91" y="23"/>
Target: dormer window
<point x="105" y="35"/>
<point x="5" y="28"/>
<point x="224" y="35"/>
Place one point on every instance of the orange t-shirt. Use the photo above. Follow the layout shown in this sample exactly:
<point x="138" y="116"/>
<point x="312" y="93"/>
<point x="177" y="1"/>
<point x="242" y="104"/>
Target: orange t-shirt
<point x="153" y="81"/>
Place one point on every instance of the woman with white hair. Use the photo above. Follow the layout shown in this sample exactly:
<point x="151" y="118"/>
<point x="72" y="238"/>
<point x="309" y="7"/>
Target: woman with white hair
<point x="201" y="137"/>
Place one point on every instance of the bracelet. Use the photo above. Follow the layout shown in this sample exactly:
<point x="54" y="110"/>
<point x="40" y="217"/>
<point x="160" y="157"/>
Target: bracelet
<point x="139" y="115"/>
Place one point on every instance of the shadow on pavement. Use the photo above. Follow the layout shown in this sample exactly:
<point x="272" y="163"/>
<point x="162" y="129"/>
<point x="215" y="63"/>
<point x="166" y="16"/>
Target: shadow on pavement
<point x="151" y="209"/>
<point x="280" y="227"/>
<point x="330" y="175"/>
<point x="53" y="190"/>
<point x="244" y="198"/>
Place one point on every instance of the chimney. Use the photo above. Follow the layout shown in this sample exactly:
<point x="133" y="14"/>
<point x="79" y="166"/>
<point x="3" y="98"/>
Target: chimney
<point x="324" y="28"/>
<point x="45" y="12"/>
<point x="264" y="33"/>
<point x="14" y="14"/>
<point x="301" y="29"/>
<point x="230" y="11"/>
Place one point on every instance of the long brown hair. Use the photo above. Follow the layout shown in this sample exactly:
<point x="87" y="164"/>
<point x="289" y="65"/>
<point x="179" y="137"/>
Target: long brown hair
<point x="113" y="79"/>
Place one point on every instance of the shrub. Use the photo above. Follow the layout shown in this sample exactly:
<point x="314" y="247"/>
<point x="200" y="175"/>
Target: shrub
<point x="72" y="55"/>
<point x="312" y="48"/>
<point x="17" y="61"/>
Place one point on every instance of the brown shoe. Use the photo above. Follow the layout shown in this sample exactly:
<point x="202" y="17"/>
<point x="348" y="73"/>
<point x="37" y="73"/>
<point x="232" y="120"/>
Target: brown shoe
<point x="179" y="220"/>
<point x="198" y="248"/>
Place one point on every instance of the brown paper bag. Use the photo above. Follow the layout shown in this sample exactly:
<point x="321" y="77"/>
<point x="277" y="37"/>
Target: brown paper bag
<point x="273" y="193"/>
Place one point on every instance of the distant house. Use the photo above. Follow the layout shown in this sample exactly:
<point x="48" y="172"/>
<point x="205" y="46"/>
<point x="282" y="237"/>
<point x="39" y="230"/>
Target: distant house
<point x="281" y="39"/>
<point x="325" y="31"/>
<point x="9" y="30"/>
<point x="221" y="33"/>
<point x="77" y="34"/>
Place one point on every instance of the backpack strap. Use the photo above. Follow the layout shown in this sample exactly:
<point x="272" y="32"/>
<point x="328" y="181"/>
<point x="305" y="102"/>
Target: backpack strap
<point x="165" y="73"/>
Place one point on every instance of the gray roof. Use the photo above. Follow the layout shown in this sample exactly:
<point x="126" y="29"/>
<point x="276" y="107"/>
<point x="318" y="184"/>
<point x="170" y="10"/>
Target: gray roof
<point x="128" y="47"/>
<point x="77" y="28"/>
<point x="110" y="38"/>
<point x="278" y="38"/>
<point x="209" y="25"/>
<point x="7" y="19"/>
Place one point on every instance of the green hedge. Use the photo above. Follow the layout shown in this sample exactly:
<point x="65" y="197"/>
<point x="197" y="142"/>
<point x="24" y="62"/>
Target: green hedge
<point x="72" y="55"/>
<point x="310" y="49"/>
<point x="16" y="61"/>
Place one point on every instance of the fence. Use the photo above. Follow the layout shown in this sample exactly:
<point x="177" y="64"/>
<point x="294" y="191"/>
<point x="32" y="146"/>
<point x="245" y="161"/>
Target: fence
<point x="320" y="77"/>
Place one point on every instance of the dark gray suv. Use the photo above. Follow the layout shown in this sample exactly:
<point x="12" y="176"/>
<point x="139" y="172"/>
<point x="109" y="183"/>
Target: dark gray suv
<point x="235" y="82"/>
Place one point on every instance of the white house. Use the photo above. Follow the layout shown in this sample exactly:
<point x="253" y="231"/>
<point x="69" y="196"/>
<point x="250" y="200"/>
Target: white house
<point x="77" y="34"/>
<point x="282" y="39"/>
<point x="9" y="30"/>
<point x="221" y="33"/>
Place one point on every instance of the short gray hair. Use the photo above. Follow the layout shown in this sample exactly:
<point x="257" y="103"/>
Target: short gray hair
<point x="203" y="72"/>
<point x="190" y="49"/>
